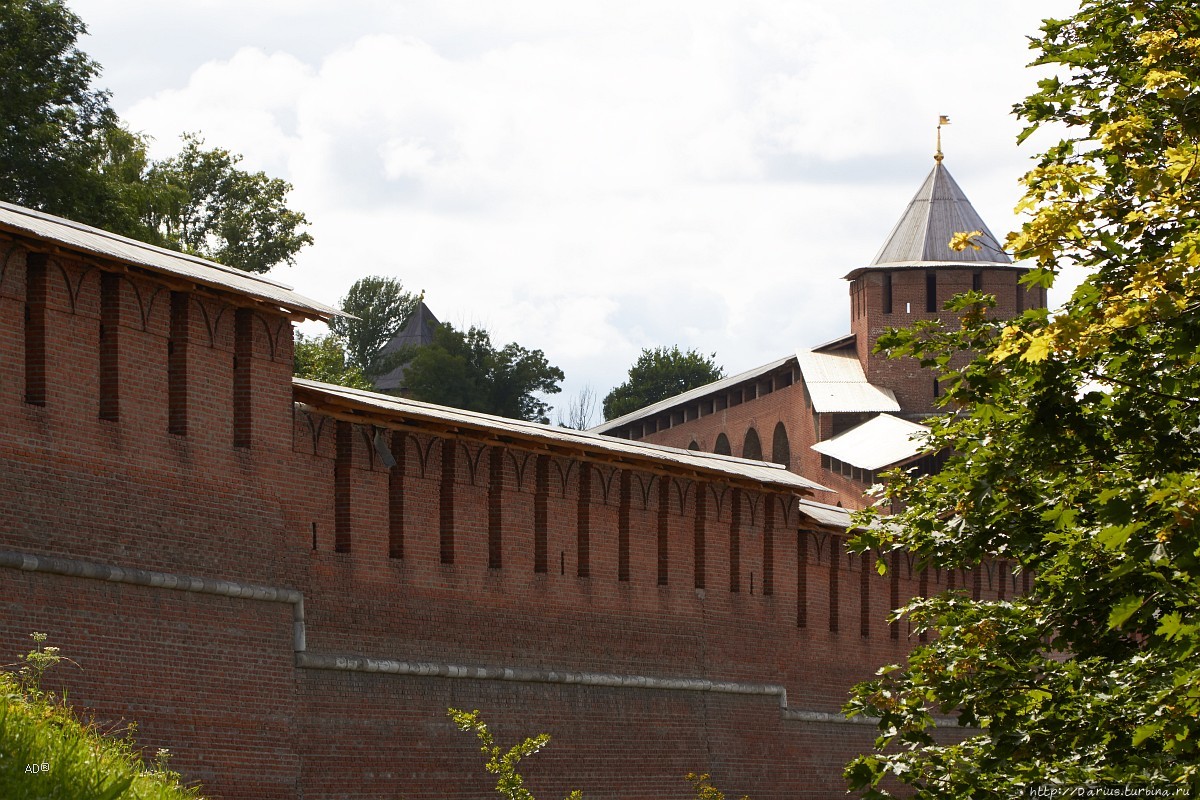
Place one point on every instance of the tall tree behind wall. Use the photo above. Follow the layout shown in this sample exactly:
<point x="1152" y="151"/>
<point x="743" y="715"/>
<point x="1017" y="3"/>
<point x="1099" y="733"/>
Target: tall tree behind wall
<point x="63" y="150"/>
<point x="464" y="370"/>
<point x="378" y="308"/>
<point x="660" y="373"/>
<point x="58" y="132"/>
<point x="1076" y="455"/>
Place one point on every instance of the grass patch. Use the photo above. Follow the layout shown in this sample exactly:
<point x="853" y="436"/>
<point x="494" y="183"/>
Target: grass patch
<point x="48" y="752"/>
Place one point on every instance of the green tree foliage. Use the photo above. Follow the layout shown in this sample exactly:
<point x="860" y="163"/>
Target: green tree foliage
<point x="323" y="358"/>
<point x="503" y="763"/>
<point x="1076" y="453"/>
<point x="463" y="370"/>
<point x="63" y="150"/>
<point x="55" y="128"/>
<point x="658" y="374"/>
<point x="201" y="202"/>
<point x="380" y="307"/>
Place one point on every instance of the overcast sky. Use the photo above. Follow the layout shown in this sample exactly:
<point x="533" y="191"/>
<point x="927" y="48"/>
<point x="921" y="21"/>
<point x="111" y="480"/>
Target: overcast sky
<point x="592" y="178"/>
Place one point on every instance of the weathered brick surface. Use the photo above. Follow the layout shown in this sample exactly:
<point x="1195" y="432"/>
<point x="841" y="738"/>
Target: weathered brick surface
<point x="213" y="678"/>
<point x="747" y="410"/>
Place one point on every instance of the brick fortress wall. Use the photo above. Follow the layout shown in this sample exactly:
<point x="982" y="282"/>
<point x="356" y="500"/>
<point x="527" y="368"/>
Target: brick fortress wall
<point x="150" y="432"/>
<point x="776" y="407"/>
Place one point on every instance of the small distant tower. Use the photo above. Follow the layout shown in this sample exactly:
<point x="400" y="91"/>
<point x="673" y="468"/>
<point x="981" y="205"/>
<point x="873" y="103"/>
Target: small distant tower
<point x="916" y="272"/>
<point x="417" y="332"/>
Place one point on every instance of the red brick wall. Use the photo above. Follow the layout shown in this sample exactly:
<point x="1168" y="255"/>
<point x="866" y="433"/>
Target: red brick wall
<point x="213" y="678"/>
<point x="912" y="384"/>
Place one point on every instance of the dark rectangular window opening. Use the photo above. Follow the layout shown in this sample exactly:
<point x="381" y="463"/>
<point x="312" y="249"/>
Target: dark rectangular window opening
<point x="177" y="365"/>
<point x="887" y="293"/>
<point x="495" y="508"/>
<point x="583" y="522"/>
<point x="864" y="595"/>
<point x="894" y="631"/>
<point x="735" y="542"/>
<point x="623" y="526"/>
<point x="541" y="493"/>
<point x="37" y="296"/>
<point x="931" y="291"/>
<point x="110" y="346"/>
<point x="802" y="579"/>
<point x="664" y="527"/>
<point x="977" y="281"/>
<point x="446" y="501"/>
<point x="835" y="552"/>
<point x="768" y="562"/>
<point x="396" y="496"/>
<point x="342" y="481"/>
<point x="698" y="535"/>
<point x="243" y="360"/>
<point x="923" y="590"/>
<point x="1020" y="297"/>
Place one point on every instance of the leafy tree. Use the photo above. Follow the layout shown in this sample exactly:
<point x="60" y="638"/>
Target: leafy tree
<point x="56" y="130"/>
<point x="658" y="374"/>
<point x="323" y="358"/>
<point x="463" y="370"/>
<point x="380" y="307"/>
<point x="1076" y="453"/>
<point x="203" y="203"/>
<point x="63" y="150"/>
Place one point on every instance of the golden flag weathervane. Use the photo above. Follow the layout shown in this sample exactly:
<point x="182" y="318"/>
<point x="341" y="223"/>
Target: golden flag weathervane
<point x="942" y="120"/>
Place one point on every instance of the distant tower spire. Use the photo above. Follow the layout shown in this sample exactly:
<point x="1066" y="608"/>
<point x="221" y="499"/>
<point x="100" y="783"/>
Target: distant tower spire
<point x="942" y="120"/>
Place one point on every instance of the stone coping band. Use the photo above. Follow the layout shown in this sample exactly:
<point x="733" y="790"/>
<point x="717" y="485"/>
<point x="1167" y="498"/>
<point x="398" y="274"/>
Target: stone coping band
<point x="55" y="565"/>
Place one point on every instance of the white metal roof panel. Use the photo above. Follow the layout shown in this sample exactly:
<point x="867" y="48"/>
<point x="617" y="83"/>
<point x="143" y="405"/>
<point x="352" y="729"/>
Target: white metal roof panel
<point x="403" y="409"/>
<point x="877" y="443"/>
<point x="688" y="396"/>
<point x="825" y="514"/>
<point x="851" y="398"/>
<point x="93" y="241"/>
<point x="836" y="384"/>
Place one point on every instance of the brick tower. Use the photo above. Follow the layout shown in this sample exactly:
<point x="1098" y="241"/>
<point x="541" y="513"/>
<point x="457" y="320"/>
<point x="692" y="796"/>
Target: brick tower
<point x="915" y="273"/>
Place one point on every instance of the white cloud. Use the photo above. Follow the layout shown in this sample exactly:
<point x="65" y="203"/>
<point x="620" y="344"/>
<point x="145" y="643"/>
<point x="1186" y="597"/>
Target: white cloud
<point x="592" y="178"/>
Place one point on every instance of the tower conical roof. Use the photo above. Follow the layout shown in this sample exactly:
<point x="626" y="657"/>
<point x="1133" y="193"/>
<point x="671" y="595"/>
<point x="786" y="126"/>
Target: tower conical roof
<point x="937" y="212"/>
<point x="417" y="332"/>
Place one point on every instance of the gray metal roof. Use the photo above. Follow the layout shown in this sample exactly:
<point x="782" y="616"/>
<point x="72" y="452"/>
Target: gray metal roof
<point x="417" y="332"/>
<point x="688" y="396"/>
<point x="825" y="514"/>
<point x="836" y="384"/>
<point x="835" y="516"/>
<point x="877" y="443"/>
<point x="322" y="395"/>
<point x="922" y="236"/>
<point x="844" y="342"/>
<point x="87" y="240"/>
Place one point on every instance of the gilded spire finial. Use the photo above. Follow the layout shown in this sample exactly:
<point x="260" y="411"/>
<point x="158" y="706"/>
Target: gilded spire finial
<point x="942" y="120"/>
